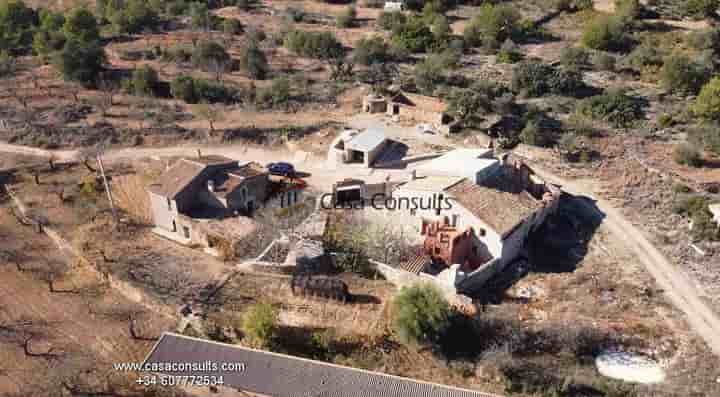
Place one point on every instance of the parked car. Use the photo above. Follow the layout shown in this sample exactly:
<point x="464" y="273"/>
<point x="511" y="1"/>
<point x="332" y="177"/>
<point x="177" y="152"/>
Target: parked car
<point x="281" y="168"/>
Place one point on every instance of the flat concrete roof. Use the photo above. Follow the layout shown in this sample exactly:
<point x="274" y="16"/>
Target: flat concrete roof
<point x="460" y="162"/>
<point x="431" y="183"/>
<point x="280" y="375"/>
<point x="366" y="140"/>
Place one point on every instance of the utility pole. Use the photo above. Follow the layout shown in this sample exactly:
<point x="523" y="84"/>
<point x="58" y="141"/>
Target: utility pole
<point x="107" y="187"/>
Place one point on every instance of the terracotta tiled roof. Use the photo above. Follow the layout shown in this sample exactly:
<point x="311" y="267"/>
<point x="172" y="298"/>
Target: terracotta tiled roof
<point x="176" y="178"/>
<point x="501" y="210"/>
<point x="280" y="375"/>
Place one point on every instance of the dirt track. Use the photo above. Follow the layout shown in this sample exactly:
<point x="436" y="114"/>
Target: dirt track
<point x="678" y="287"/>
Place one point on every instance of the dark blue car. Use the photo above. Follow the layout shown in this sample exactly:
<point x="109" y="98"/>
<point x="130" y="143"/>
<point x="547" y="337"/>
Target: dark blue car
<point x="281" y="168"/>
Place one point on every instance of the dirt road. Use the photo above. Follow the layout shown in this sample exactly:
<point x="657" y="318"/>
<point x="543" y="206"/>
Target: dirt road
<point x="677" y="286"/>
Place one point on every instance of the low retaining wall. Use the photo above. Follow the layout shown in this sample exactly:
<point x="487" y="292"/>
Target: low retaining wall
<point x="407" y="160"/>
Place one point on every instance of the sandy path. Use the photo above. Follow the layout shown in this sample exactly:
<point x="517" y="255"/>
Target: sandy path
<point x="680" y="289"/>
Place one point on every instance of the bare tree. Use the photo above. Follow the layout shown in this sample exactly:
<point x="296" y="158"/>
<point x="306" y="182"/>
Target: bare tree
<point x="108" y="90"/>
<point x="210" y="112"/>
<point x="87" y="155"/>
<point x="219" y="67"/>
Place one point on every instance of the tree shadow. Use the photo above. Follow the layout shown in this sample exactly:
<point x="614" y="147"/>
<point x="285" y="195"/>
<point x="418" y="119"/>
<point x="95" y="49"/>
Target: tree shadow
<point x="307" y="342"/>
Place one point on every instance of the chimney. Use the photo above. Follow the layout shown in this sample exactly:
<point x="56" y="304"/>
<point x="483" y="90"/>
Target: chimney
<point x="413" y="175"/>
<point x="211" y="185"/>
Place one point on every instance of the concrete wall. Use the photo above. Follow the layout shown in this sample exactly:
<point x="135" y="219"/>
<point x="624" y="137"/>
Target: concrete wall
<point x="163" y="214"/>
<point x="257" y="191"/>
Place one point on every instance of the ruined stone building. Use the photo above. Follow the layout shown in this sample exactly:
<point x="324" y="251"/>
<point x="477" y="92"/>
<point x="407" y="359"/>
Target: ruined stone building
<point x="412" y="107"/>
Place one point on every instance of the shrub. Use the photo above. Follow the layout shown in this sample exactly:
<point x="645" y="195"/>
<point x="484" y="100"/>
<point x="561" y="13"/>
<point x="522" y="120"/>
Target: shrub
<point x="537" y="79"/>
<point x="253" y="61"/>
<point x="700" y="8"/>
<point x="131" y="16"/>
<point x="246" y="5"/>
<point x="696" y="208"/>
<point x="391" y="20"/>
<point x="574" y="57"/>
<point x="321" y="45"/>
<point x="509" y="52"/>
<point x="428" y="74"/>
<point x="17" y="22"/>
<point x="421" y="315"/>
<point x="144" y="81"/>
<point x="277" y="94"/>
<point x="183" y="87"/>
<point x="534" y="134"/>
<point x="688" y="154"/>
<point x="706" y="136"/>
<point x="627" y="10"/>
<point x="371" y="50"/>
<point x="81" y="26"/>
<point x="603" y="61"/>
<point x="49" y="37"/>
<point x="707" y="104"/>
<point x="492" y="25"/>
<point x="255" y="35"/>
<point x="705" y="40"/>
<point x="680" y="75"/>
<point x="413" y="36"/>
<point x="209" y="53"/>
<point x="259" y="324"/>
<point x="80" y="61"/>
<point x="232" y="26"/>
<point x="7" y="64"/>
<point x="194" y="91"/>
<point x="646" y="54"/>
<point x="615" y="107"/>
<point x="347" y="18"/>
<point x="465" y="104"/>
<point x="606" y="34"/>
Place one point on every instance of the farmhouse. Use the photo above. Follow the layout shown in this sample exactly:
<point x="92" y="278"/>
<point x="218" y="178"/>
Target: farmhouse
<point x="353" y="146"/>
<point x="200" y="200"/>
<point x="482" y="224"/>
<point x="473" y="164"/>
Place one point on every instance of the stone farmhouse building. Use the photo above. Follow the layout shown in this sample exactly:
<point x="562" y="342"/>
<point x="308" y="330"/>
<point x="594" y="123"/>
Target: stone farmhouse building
<point x="496" y="213"/>
<point x="205" y="200"/>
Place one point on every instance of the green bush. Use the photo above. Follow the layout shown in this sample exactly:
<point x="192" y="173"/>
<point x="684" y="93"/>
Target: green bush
<point x="256" y="35"/>
<point x="696" y="208"/>
<point x="320" y="45"/>
<point x="391" y="20"/>
<point x="614" y="107"/>
<point x="493" y="25"/>
<point x="429" y="74"/>
<point x="259" y="324"/>
<point x="574" y="57"/>
<point x="603" y="61"/>
<point x="253" y="61"/>
<point x="648" y="53"/>
<point x="534" y="134"/>
<point x="605" y="33"/>
<point x="80" y="61"/>
<point x="194" y="91"/>
<point x="688" y="154"/>
<point x="131" y="16"/>
<point x="536" y="79"/>
<point x="80" y="26"/>
<point x="413" y="36"/>
<point x="700" y="8"/>
<point x="627" y="10"/>
<point x="232" y="26"/>
<point x="277" y="94"/>
<point x="704" y="40"/>
<point x="706" y="136"/>
<point x="17" y="22"/>
<point x="49" y="36"/>
<point x="707" y="104"/>
<point x="679" y="74"/>
<point x="208" y="54"/>
<point x="509" y="52"/>
<point x="183" y="88"/>
<point x="246" y="5"/>
<point x="467" y="103"/>
<point x="144" y="81"/>
<point x="371" y="50"/>
<point x="421" y="315"/>
<point x="347" y="18"/>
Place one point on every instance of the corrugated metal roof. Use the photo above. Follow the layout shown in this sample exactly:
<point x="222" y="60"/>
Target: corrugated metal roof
<point x="280" y="375"/>
<point x="366" y="140"/>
